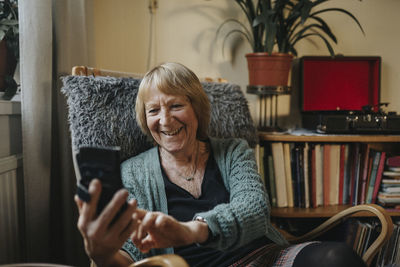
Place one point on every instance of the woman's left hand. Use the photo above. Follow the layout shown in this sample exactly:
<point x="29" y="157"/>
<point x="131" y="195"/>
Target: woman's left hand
<point x="159" y="230"/>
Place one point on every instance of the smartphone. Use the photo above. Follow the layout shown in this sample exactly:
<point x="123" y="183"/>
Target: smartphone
<point x="102" y="163"/>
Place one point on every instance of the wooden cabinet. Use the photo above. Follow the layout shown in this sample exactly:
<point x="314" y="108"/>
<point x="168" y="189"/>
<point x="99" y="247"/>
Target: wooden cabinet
<point x="389" y="143"/>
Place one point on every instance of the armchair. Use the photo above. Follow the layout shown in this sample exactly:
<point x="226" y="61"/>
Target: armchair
<point x="101" y="112"/>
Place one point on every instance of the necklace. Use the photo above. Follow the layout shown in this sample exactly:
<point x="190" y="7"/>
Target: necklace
<point x="191" y="177"/>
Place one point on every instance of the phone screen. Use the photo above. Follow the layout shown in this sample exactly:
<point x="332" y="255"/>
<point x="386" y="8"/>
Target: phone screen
<point x="102" y="163"/>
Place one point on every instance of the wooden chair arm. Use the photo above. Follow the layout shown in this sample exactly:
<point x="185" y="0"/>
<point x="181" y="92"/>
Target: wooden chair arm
<point x="378" y="211"/>
<point x="87" y="71"/>
<point x="168" y="260"/>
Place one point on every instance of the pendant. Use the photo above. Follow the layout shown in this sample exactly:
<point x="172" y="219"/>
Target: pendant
<point x="189" y="178"/>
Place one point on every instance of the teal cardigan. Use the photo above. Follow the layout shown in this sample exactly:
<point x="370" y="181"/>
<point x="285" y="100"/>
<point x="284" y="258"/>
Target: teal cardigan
<point x="234" y="224"/>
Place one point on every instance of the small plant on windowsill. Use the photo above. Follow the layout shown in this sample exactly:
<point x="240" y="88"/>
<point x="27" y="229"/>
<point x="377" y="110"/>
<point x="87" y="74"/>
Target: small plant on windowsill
<point x="280" y="25"/>
<point x="9" y="46"/>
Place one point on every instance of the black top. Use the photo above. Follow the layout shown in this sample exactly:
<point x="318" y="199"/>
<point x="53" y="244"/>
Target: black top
<point x="182" y="206"/>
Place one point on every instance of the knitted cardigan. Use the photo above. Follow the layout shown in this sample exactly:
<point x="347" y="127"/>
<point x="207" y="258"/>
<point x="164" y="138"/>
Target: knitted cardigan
<point x="234" y="224"/>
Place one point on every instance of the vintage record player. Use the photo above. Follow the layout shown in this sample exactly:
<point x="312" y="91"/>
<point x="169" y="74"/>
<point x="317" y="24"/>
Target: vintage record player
<point x="342" y="95"/>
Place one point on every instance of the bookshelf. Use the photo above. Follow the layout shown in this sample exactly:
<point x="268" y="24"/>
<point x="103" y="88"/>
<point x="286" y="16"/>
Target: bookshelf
<point x="389" y="143"/>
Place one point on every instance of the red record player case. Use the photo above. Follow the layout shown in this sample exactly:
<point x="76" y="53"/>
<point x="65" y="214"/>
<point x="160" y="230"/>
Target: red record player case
<point x="335" y="84"/>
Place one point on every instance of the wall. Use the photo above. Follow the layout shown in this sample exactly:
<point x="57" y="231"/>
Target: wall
<point x="185" y="32"/>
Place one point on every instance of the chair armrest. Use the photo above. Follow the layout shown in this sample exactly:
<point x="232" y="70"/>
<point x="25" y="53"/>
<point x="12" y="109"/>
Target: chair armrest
<point x="168" y="260"/>
<point x="379" y="212"/>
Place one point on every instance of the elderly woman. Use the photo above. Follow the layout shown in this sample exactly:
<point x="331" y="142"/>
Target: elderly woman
<point x="192" y="195"/>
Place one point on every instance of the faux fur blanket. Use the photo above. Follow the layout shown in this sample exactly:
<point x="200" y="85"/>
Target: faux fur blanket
<point x="101" y="111"/>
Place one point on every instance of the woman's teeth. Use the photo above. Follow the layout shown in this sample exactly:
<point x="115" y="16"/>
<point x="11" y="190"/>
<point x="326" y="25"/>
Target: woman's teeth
<point x="172" y="132"/>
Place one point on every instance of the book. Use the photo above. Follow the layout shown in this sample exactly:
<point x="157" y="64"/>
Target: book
<point x="257" y="155"/>
<point x="364" y="175"/>
<point x="393" y="161"/>
<point x="378" y="176"/>
<point x="334" y="168"/>
<point x="319" y="174"/>
<point x="355" y="174"/>
<point x="326" y="173"/>
<point x="280" y="176"/>
<point x="300" y="172"/>
<point x="293" y="164"/>
<point x="395" y="175"/>
<point x="357" y="236"/>
<point x="298" y="175"/>
<point x="313" y="178"/>
<point x="271" y="180"/>
<point x="374" y="172"/>
<point x="365" y="241"/>
<point x="391" y="190"/>
<point x="370" y="165"/>
<point x="288" y="174"/>
<point x="341" y="172"/>
<point x="306" y="175"/>
<point x="347" y="174"/>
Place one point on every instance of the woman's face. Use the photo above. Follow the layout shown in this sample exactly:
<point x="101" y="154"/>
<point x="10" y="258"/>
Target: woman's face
<point x="171" y="120"/>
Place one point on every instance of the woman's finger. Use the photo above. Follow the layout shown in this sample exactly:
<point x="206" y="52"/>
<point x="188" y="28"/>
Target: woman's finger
<point x="79" y="203"/>
<point x="128" y="230"/>
<point x="147" y="223"/>
<point x="112" y="208"/>
<point x="88" y="210"/>
<point x="124" y="219"/>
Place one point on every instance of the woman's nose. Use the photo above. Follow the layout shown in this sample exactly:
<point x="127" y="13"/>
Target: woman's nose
<point x="165" y="117"/>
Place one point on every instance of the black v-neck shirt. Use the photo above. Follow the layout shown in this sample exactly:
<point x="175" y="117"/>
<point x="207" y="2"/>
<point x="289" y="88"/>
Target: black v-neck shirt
<point x="182" y="206"/>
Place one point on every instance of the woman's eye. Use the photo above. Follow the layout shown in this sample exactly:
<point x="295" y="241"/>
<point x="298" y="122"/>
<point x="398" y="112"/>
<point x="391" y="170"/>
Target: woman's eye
<point x="153" y="110"/>
<point x="177" y="105"/>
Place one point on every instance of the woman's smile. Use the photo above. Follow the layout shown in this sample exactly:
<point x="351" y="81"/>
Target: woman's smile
<point x="172" y="133"/>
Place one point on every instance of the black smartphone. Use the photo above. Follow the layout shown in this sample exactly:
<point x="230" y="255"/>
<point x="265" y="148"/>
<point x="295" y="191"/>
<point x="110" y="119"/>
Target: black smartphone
<point x="102" y="163"/>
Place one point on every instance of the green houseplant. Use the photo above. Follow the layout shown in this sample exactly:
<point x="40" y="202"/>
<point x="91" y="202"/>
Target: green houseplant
<point x="9" y="46"/>
<point x="278" y="25"/>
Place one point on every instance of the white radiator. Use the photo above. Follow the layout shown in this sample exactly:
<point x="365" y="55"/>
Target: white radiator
<point x="10" y="209"/>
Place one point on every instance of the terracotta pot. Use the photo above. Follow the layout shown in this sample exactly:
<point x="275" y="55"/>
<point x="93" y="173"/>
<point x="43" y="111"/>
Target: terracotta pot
<point x="269" y="70"/>
<point x="7" y="63"/>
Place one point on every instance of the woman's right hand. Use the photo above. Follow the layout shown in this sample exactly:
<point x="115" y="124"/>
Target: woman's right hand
<point x="102" y="239"/>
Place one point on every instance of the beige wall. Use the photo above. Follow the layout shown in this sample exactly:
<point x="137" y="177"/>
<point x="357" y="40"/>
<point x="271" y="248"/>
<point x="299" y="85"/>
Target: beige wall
<point x="184" y="31"/>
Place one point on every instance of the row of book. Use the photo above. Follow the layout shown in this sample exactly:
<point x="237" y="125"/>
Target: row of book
<point x="389" y="255"/>
<point x="360" y="234"/>
<point x="312" y="174"/>
<point x="389" y="194"/>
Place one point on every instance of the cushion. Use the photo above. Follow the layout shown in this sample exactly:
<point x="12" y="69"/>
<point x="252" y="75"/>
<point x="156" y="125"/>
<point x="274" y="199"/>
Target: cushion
<point x="101" y="111"/>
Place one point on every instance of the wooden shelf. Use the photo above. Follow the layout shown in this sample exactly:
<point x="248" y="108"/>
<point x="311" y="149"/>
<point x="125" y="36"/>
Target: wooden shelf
<point x="319" y="212"/>
<point x="264" y="136"/>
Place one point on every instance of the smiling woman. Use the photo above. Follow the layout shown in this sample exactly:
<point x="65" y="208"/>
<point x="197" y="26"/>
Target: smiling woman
<point x="195" y="196"/>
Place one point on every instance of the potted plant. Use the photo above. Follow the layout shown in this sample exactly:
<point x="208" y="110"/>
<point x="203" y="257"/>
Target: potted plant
<point x="278" y="25"/>
<point x="9" y="46"/>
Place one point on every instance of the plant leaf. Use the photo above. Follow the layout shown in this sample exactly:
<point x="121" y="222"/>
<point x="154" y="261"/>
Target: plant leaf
<point x="342" y="11"/>
<point x="236" y="22"/>
<point x="233" y="32"/>
<point x="328" y="45"/>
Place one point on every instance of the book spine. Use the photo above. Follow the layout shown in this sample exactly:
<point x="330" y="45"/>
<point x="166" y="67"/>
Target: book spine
<point x="288" y="173"/>
<point x="379" y="175"/>
<point x="319" y="174"/>
<point x="364" y="175"/>
<point x="355" y="175"/>
<point x="271" y="180"/>
<point x="306" y="175"/>
<point x="347" y="174"/>
<point x="341" y="172"/>
<point x="334" y="169"/>
<point x="313" y="178"/>
<point x="326" y="171"/>
<point x="374" y="172"/>
<point x="280" y="177"/>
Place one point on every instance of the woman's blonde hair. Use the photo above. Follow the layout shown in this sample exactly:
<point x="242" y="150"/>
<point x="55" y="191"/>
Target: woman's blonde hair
<point x="174" y="79"/>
